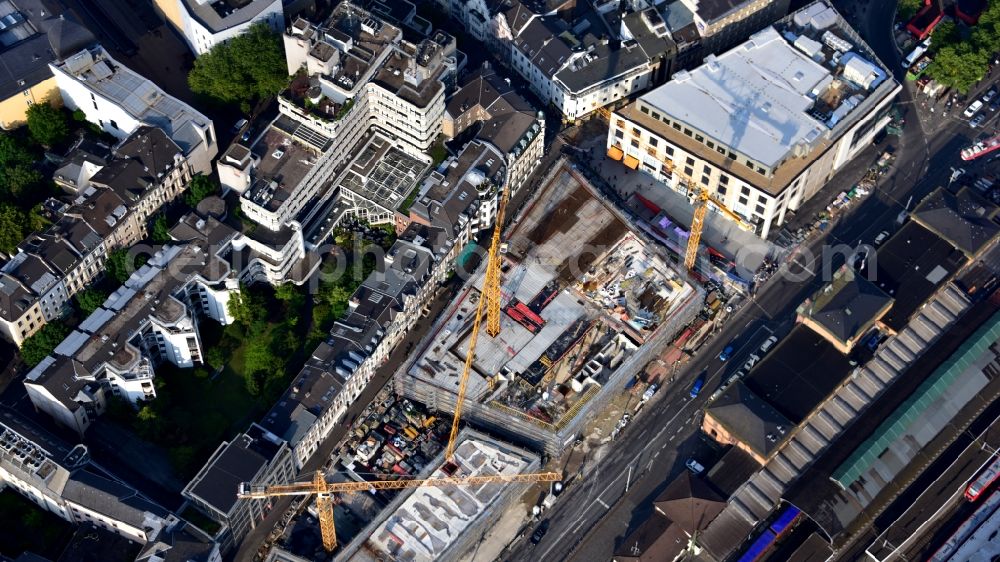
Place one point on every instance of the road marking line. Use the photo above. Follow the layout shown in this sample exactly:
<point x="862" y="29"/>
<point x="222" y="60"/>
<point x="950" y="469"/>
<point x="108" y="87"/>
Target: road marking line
<point x="621" y="475"/>
<point x="600" y="501"/>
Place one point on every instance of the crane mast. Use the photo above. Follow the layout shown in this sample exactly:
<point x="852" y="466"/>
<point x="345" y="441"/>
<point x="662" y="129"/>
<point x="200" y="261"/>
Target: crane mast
<point x="490" y="297"/>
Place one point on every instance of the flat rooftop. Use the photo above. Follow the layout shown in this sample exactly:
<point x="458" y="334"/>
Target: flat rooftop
<point x="381" y="174"/>
<point x="430" y="520"/>
<point x="778" y="94"/>
<point x="910" y="267"/>
<point x="284" y="162"/>
<point x="219" y="15"/>
<point x="799" y="373"/>
<point x="137" y="96"/>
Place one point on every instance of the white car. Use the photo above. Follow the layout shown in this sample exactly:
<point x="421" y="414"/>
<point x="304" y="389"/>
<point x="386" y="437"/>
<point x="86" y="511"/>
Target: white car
<point x="882" y="237"/>
<point x="751" y="362"/>
<point x="694" y="466"/>
<point x="972" y="109"/>
<point x="768" y="344"/>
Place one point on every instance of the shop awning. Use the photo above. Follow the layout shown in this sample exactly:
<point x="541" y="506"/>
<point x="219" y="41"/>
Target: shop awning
<point x="631" y="162"/>
<point x="615" y="153"/>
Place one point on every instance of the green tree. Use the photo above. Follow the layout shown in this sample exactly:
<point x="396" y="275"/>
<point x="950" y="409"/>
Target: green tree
<point x="959" y="66"/>
<point x="201" y="186"/>
<point x="41" y="344"/>
<point x="11" y="227"/>
<point x="36" y="221"/>
<point x="908" y="9"/>
<point x="946" y="33"/>
<point x="121" y="264"/>
<point x="259" y="358"/>
<point x="337" y="296"/>
<point x="215" y="357"/>
<point x="117" y="266"/>
<point x="12" y="153"/>
<point x="292" y="297"/>
<point x="20" y="180"/>
<point x="161" y="230"/>
<point x="47" y="124"/>
<point x="90" y="299"/>
<point x="248" y="67"/>
<point x="246" y="307"/>
<point x="149" y="425"/>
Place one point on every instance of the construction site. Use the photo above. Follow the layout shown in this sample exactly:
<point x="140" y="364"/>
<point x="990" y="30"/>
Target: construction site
<point x="443" y="523"/>
<point x="584" y="300"/>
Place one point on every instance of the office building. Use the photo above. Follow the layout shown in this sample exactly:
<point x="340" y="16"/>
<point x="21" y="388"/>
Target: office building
<point x="792" y="106"/>
<point x="255" y="457"/>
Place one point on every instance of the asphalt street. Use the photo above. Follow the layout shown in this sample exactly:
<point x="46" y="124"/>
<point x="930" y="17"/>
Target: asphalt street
<point x="615" y="494"/>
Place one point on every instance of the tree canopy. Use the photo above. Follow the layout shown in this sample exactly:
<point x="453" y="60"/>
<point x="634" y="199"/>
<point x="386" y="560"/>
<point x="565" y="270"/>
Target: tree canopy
<point x="161" y="230"/>
<point x="47" y="124"/>
<point x="121" y="265"/>
<point x="201" y="186"/>
<point x="248" y="67"/>
<point x="908" y="8"/>
<point x="961" y="59"/>
<point x="39" y="345"/>
<point x="90" y="299"/>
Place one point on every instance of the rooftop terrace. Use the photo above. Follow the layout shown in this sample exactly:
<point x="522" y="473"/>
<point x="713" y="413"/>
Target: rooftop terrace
<point x="284" y="162"/>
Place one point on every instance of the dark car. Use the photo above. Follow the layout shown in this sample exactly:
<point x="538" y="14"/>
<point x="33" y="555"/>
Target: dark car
<point x="698" y="384"/>
<point x="543" y="528"/>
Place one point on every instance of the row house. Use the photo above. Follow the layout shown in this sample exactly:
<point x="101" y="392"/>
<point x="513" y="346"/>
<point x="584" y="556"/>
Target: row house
<point x="503" y="119"/>
<point x="152" y="318"/>
<point x="114" y="203"/>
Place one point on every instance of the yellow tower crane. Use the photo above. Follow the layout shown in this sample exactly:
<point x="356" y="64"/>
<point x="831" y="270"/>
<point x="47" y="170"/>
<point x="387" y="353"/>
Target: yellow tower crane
<point x="702" y="199"/>
<point x="324" y="491"/>
<point x="490" y="298"/>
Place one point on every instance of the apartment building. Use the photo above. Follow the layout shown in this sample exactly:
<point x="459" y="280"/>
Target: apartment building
<point x="121" y="101"/>
<point x="117" y="196"/>
<point x="796" y="102"/>
<point x="206" y="24"/>
<point x="503" y="119"/>
<point x="722" y="24"/>
<point x="153" y="317"/>
<point x="36" y="33"/>
<point x="255" y="457"/>
<point x="462" y="199"/>
<point x="576" y="74"/>
<point x="59" y="478"/>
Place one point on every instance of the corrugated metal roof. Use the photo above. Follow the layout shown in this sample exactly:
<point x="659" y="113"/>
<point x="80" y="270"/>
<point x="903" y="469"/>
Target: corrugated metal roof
<point x="914" y="408"/>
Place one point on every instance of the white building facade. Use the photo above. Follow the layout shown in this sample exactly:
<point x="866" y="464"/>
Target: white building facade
<point x="206" y="23"/>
